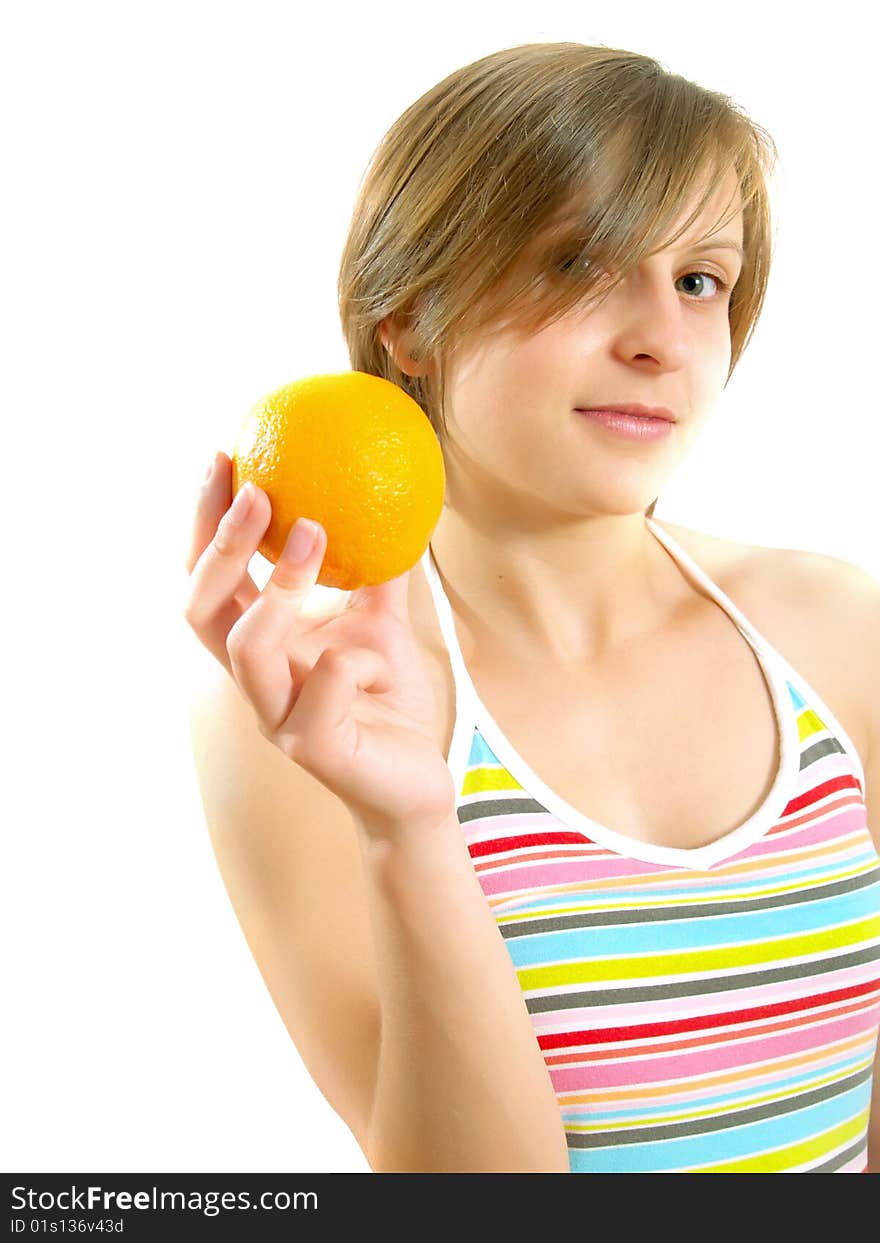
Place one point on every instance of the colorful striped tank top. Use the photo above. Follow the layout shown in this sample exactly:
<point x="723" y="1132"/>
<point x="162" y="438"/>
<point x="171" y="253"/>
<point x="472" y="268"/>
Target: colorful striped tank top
<point x="711" y="1009"/>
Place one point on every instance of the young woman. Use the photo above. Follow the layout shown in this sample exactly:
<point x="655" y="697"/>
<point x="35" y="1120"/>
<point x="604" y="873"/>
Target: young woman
<point x="554" y="852"/>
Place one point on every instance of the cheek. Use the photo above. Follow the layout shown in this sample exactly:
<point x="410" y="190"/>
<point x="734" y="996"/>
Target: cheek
<point x="503" y="390"/>
<point x="496" y="392"/>
<point x="541" y="373"/>
<point x="715" y="363"/>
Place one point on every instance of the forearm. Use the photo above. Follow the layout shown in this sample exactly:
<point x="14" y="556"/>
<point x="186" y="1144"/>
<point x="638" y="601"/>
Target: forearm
<point x="461" y="1083"/>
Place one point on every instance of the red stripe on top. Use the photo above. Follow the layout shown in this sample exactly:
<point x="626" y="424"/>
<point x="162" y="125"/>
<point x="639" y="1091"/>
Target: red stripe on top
<point x="846" y="782"/>
<point x="556" y="1040"/>
<point x="497" y="844"/>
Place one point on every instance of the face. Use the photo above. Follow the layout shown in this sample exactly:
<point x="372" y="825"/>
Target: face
<point x="661" y="337"/>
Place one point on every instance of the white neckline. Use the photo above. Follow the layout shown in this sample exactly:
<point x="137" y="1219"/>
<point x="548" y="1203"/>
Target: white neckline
<point x="470" y="711"/>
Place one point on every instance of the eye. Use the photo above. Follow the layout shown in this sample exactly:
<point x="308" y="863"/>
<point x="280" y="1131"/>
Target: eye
<point x="572" y="264"/>
<point x="723" y="285"/>
<point x="568" y="264"/>
<point x="575" y="264"/>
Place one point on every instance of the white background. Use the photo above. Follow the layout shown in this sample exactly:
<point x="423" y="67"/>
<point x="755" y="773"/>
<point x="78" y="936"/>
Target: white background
<point x="178" y="180"/>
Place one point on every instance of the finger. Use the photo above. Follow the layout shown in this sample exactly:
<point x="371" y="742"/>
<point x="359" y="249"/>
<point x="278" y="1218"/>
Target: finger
<point x="215" y="499"/>
<point x="221" y="590"/>
<point x="320" y="732"/>
<point x="260" y="645"/>
<point x="388" y="597"/>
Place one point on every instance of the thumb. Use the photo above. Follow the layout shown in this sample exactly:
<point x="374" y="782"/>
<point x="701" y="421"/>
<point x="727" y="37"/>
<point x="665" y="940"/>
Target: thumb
<point x="391" y="597"/>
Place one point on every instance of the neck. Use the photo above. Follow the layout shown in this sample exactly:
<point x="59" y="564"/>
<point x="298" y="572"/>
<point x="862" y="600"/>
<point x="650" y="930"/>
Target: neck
<point x="565" y="595"/>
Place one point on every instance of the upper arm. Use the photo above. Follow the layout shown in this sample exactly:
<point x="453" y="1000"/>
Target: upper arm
<point x="291" y="863"/>
<point x="855" y="597"/>
<point x="872" y="799"/>
<point x="868" y="599"/>
<point x="856" y="594"/>
<point x="824" y="614"/>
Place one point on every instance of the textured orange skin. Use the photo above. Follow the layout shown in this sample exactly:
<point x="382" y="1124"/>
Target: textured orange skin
<point x="354" y="452"/>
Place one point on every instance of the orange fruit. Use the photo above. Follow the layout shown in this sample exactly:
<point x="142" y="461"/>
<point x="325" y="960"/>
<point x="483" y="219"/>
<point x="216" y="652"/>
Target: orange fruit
<point x="357" y="454"/>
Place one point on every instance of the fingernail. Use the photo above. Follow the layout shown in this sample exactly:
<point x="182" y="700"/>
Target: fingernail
<point x="241" y="505"/>
<point x="210" y="470"/>
<point x="301" y="540"/>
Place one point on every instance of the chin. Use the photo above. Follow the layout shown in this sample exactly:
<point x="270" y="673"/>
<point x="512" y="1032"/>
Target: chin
<point x="620" y="507"/>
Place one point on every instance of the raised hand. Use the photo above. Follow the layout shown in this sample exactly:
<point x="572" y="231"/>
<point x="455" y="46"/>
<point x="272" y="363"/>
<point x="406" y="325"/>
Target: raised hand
<point x="348" y="697"/>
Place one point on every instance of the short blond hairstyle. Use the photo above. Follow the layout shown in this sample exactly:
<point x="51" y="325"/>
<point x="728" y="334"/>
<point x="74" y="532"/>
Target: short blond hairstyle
<point x="523" y="159"/>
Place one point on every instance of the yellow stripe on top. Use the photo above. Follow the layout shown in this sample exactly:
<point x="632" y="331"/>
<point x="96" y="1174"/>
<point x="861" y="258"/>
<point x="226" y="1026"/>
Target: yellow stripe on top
<point x="718" y="958"/>
<point x="796" y="1154"/>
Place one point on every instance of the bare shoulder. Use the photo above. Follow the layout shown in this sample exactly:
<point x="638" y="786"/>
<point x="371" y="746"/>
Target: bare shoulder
<point x="820" y="611"/>
<point x="714" y="554"/>
<point x="788" y="575"/>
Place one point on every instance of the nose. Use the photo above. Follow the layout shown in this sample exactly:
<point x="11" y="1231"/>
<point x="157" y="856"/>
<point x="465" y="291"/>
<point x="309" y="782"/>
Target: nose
<point x="649" y="322"/>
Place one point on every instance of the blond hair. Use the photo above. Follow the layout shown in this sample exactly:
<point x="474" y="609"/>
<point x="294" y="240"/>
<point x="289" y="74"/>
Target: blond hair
<point x="518" y="162"/>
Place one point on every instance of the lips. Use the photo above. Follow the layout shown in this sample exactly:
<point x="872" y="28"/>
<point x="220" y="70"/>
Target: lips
<point x="634" y="408"/>
<point x="641" y="428"/>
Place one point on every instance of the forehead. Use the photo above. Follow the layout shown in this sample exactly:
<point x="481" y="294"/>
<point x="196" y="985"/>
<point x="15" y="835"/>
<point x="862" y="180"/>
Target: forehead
<point x="723" y="208"/>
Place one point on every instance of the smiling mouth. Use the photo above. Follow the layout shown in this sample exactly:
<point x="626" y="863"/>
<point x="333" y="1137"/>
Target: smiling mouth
<point x="640" y="427"/>
<point x="632" y="408"/>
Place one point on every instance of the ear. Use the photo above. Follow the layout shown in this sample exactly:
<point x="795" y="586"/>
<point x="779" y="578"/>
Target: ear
<point x="399" y="338"/>
<point x="389" y="335"/>
<point x="400" y="345"/>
